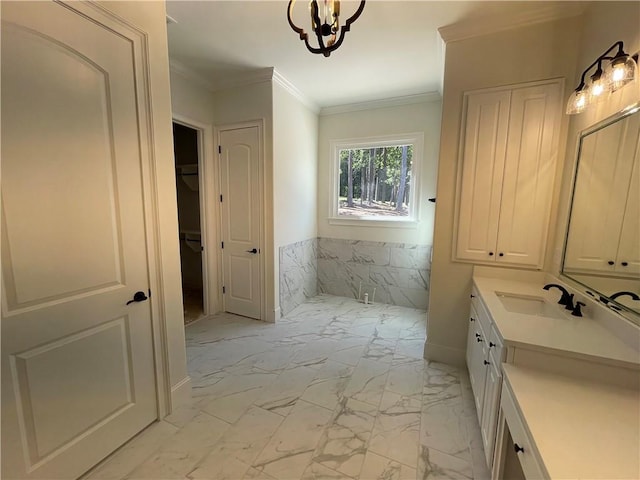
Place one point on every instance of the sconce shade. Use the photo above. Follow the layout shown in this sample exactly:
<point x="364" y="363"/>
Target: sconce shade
<point x="621" y="72"/>
<point x="578" y="101"/>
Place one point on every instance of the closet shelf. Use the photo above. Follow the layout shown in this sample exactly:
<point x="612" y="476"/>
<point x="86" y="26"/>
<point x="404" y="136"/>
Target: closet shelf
<point x="189" y="175"/>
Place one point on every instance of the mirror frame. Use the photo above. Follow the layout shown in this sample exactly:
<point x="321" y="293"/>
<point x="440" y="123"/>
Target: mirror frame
<point x="626" y="312"/>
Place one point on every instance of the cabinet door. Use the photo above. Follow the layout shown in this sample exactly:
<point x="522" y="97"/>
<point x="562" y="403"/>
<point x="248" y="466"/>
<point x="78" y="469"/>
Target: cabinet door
<point x="490" y="408"/>
<point x="604" y="176"/>
<point x="628" y="258"/>
<point x="476" y="354"/>
<point x="483" y="152"/>
<point x="529" y="171"/>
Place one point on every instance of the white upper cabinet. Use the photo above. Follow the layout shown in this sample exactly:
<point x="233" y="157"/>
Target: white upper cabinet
<point x="508" y="155"/>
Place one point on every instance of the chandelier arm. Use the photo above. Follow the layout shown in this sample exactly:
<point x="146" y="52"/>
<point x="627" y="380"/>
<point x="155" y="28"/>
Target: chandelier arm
<point x="315" y="16"/>
<point x="346" y="28"/>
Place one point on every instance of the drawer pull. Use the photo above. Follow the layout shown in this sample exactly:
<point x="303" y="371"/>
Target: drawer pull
<point x="478" y="339"/>
<point x="473" y="296"/>
<point x="486" y="363"/>
<point x="471" y="319"/>
<point x="518" y="448"/>
<point x="491" y="344"/>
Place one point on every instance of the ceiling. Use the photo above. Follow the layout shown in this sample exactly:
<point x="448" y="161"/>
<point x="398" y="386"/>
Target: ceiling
<point x="392" y="50"/>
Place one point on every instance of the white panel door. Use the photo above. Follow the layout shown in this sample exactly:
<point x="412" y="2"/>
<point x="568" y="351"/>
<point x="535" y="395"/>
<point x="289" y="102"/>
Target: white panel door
<point x="77" y="361"/>
<point x="529" y="170"/>
<point x="241" y="206"/>
<point x="484" y="146"/>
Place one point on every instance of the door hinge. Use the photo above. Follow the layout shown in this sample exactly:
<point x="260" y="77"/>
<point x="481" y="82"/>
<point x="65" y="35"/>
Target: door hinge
<point x="222" y="244"/>
<point x="224" y="290"/>
<point x="219" y="148"/>
<point x="220" y="197"/>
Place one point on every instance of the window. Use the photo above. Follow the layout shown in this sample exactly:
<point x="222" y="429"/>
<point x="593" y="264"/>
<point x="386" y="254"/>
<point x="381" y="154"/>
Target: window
<point x="376" y="180"/>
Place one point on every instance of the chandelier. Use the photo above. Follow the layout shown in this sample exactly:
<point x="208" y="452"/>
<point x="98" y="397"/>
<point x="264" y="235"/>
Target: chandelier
<point x="325" y="25"/>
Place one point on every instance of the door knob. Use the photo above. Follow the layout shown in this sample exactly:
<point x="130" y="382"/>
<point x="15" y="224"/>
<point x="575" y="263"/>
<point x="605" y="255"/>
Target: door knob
<point x="254" y="250"/>
<point x="138" y="297"/>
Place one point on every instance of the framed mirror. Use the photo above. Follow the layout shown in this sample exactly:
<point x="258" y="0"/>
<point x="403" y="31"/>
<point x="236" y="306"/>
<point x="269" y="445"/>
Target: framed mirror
<point x="602" y="246"/>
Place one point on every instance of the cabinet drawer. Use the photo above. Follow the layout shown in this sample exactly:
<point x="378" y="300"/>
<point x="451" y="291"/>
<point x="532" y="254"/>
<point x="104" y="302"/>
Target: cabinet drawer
<point x="531" y="466"/>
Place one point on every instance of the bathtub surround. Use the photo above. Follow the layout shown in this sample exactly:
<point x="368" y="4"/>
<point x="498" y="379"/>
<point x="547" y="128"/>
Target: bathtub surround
<point x="398" y="271"/>
<point x="298" y="273"/>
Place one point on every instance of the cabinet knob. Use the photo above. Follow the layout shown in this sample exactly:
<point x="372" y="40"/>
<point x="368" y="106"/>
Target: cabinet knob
<point x="624" y="264"/>
<point x="491" y="254"/>
<point x="611" y="262"/>
<point x="477" y="335"/>
<point x="491" y="344"/>
<point x="472" y="296"/>
<point x="478" y="339"/>
<point x="486" y="363"/>
<point x="518" y="448"/>
<point x="501" y="254"/>
<point x="471" y="319"/>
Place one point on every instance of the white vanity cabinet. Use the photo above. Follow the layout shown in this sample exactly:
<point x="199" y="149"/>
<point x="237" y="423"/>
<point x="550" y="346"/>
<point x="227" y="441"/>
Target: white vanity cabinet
<point x="484" y="356"/>
<point x="508" y="152"/>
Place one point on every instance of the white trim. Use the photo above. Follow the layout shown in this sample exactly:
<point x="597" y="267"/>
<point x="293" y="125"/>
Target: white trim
<point x="186" y="72"/>
<point x="429" y="97"/>
<point x="491" y="24"/>
<point x="181" y="393"/>
<point x="411" y="221"/>
<point x="265" y="314"/>
<point x="209" y="213"/>
<point x="293" y="90"/>
<point x="242" y="79"/>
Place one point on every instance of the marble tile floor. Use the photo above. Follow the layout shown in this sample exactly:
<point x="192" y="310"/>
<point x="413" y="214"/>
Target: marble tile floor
<point x="336" y="390"/>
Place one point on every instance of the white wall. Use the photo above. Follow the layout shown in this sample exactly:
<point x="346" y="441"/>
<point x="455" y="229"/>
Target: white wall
<point x="596" y="38"/>
<point x="416" y="117"/>
<point x="242" y="104"/>
<point x="536" y="52"/>
<point x="190" y="100"/>
<point x="151" y="18"/>
<point x="295" y="173"/>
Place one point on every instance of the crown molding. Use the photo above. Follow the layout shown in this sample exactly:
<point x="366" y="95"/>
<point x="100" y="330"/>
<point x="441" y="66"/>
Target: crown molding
<point x="475" y="28"/>
<point x="247" y="78"/>
<point x="186" y="72"/>
<point x="293" y="90"/>
<point x="429" y="97"/>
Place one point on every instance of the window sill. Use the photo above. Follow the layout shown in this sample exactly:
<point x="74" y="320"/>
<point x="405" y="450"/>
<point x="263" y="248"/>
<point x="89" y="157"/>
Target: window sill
<point x="374" y="222"/>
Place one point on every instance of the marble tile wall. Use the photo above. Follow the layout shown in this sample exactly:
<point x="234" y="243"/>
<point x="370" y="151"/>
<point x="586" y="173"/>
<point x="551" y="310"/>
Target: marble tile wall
<point x="298" y="274"/>
<point x="399" y="272"/>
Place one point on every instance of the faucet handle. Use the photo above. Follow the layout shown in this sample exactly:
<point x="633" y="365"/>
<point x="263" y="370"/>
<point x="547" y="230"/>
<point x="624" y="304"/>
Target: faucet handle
<point x="568" y="301"/>
<point x="576" y="312"/>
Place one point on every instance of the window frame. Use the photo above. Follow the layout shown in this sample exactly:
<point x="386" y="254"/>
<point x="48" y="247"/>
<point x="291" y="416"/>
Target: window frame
<point x="415" y="139"/>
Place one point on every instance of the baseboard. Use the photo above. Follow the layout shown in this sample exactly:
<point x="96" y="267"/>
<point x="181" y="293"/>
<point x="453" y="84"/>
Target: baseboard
<point x="443" y="354"/>
<point x="273" y="316"/>
<point x="181" y="393"/>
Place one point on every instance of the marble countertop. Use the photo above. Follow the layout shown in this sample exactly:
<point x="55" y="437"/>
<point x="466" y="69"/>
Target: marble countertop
<point x="581" y="429"/>
<point x="581" y="337"/>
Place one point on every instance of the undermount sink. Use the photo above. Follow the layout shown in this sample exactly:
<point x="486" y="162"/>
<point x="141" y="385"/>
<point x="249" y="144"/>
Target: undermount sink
<point x="529" y="305"/>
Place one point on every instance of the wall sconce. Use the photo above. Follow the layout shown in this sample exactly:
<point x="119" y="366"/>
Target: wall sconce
<point x="325" y="23"/>
<point x="618" y="71"/>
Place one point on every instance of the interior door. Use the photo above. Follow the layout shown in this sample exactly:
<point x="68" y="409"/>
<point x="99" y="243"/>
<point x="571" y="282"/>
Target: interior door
<point x="77" y="361"/>
<point x="241" y="206"/>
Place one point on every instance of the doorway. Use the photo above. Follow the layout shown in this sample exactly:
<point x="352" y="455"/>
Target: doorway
<point x="187" y="147"/>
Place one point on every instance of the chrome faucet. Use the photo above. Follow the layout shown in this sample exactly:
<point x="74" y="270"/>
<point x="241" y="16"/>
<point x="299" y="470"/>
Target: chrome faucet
<point x="633" y="296"/>
<point x="566" y="299"/>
